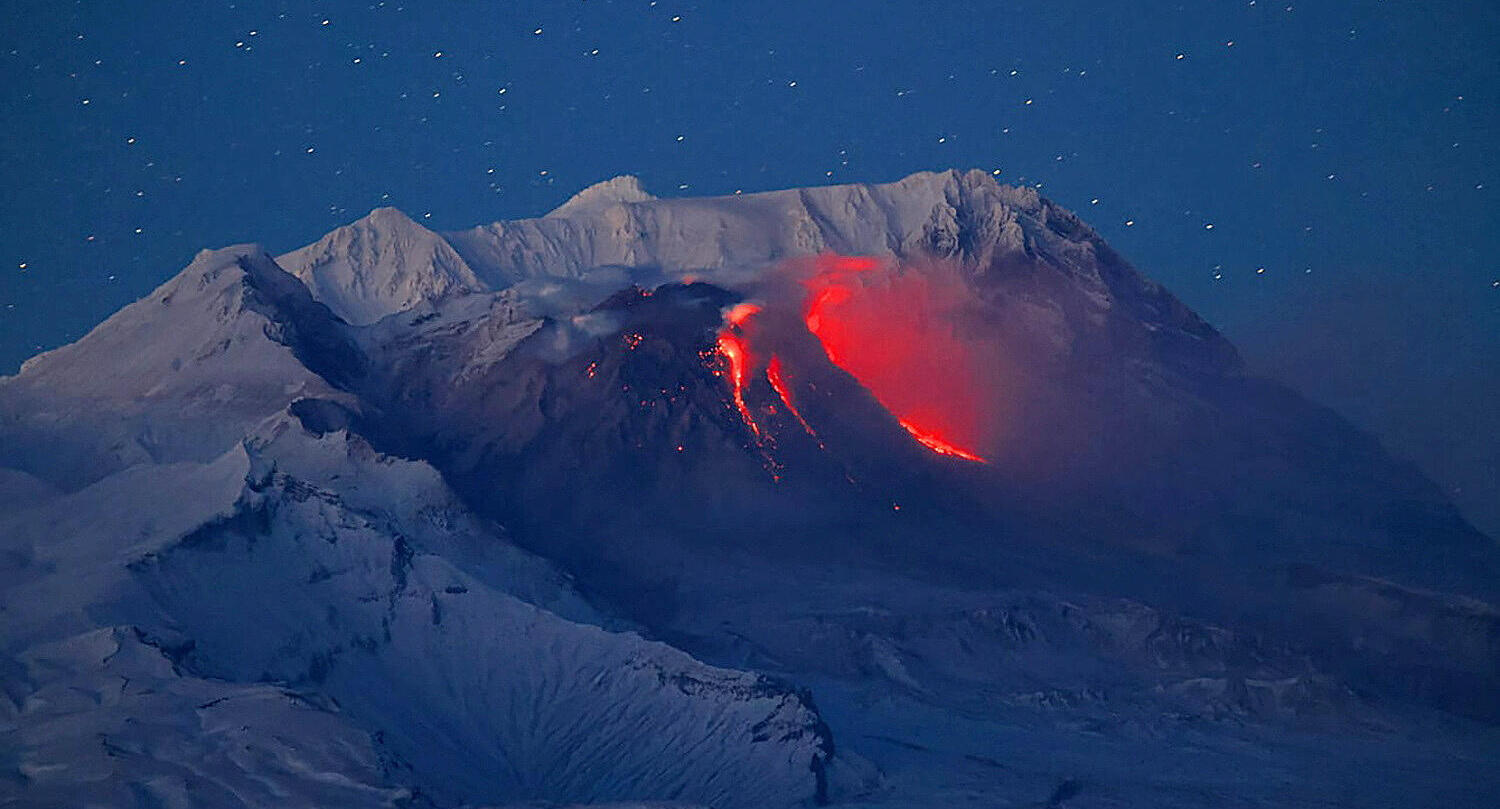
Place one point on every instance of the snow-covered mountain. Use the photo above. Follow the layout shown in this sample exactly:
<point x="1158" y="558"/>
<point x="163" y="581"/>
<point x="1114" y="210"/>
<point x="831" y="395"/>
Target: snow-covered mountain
<point x="382" y="264"/>
<point x="180" y="375"/>
<point x="593" y="508"/>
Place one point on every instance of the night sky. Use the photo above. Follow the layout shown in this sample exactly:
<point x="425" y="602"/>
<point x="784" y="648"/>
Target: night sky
<point x="1316" y="178"/>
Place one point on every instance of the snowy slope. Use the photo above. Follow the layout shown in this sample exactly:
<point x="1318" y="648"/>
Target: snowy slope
<point x="180" y="375"/>
<point x="380" y="265"/>
<point x="105" y="719"/>
<point x="318" y="564"/>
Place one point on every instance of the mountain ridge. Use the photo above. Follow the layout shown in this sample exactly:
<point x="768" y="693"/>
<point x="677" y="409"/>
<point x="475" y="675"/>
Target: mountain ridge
<point x="497" y="516"/>
<point x="218" y="337"/>
<point x="620" y="190"/>
<point x="378" y="265"/>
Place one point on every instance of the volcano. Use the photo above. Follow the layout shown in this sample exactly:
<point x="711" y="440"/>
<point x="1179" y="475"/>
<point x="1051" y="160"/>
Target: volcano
<point x="871" y="495"/>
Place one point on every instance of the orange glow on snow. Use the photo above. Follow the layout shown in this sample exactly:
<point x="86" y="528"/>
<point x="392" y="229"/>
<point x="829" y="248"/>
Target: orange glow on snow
<point x="896" y="333"/>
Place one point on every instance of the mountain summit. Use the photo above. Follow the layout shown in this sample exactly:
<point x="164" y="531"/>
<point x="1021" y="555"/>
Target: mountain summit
<point x="615" y="191"/>
<point x="382" y="264"/>
<point x="905" y="494"/>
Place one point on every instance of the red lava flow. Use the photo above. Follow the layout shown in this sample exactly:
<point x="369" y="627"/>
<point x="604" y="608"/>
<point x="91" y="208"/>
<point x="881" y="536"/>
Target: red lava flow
<point x="778" y="383"/>
<point x="890" y="331"/>
<point x="894" y="332"/>
<point x="735" y="348"/>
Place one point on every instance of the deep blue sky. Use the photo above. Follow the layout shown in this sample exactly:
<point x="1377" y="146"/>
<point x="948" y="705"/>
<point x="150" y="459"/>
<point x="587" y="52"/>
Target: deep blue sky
<point x="1347" y="148"/>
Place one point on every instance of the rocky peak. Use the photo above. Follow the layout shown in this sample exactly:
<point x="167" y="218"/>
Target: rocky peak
<point x="623" y="189"/>
<point x="382" y="264"/>
<point x="178" y="375"/>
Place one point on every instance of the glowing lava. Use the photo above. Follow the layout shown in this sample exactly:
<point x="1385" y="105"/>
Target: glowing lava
<point x="831" y="288"/>
<point x="736" y="350"/>
<point x="778" y="383"/>
<point x="938" y="445"/>
<point x="734" y="345"/>
<point x="896" y="332"/>
<point x="740" y="313"/>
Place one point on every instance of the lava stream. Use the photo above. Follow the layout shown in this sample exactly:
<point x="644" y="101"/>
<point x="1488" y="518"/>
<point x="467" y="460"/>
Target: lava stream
<point x="894" y="332"/>
<point x="778" y="383"/>
<point x="735" y="349"/>
<point x="936" y="444"/>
